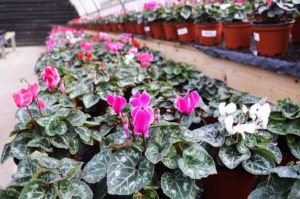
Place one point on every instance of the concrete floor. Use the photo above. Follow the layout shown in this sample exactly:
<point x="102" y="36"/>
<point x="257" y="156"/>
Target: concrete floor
<point x="13" y="67"/>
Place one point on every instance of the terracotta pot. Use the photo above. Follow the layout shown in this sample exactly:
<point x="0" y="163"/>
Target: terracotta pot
<point x="237" y="35"/>
<point x="157" y="30"/>
<point x="126" y="26"/>
<point x="209" y="34"/>
<point x="140" y="29"/>
<point x="229" y="184"/>
<point x="133" y="28"/>
<point x="272" y="39"/>
<point x="147" y="30"/>
<point x="112" y="27"/>
<point x="185" y="32"/>
<point x="120" y="27"/>
<point x="106" y="27"/>
<point x="170" y="31"/>
<point x="296" y="31"/>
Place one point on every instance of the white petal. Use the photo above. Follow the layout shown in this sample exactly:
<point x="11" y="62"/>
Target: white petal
<point x="230" y="108"/>
<point x="229" y="124"/>
<point x="222" y="108"/>
<point x="244" y="109"/>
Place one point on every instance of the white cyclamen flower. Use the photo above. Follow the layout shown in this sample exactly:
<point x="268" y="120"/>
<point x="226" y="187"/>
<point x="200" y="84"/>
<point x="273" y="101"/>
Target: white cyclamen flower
<point x="260" y="114"/>
<point x="228" y="121"/>
<point x="128" y="58"/>
<point x="226" y="109"/>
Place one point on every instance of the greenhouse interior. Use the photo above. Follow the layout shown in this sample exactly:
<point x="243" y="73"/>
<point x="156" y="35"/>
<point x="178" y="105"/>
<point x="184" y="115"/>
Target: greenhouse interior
<point x="150" y="99"/>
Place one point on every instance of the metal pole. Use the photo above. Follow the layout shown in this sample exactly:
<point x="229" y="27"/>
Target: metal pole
<point x="82" y="5"/>
<point x="122" y="4"/>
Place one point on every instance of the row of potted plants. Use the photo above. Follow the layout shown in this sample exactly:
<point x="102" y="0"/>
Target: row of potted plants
<point x="114" y="119"/>
<point x="269" y="23"/>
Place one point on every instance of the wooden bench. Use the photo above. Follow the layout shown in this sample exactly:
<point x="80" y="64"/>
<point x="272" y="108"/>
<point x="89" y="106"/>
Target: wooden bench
<point x="8" y="36"/>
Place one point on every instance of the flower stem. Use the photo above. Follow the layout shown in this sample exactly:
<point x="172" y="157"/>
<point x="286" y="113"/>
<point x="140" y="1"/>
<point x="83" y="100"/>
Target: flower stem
<point x="144" y="141"/>
<point x="29" y="112"/>
<point x="37" y="102"/>
<point x="180" y="119"/>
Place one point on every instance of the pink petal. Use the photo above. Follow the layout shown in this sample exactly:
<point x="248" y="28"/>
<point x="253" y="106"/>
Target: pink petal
<point x="145" y="99"/>
<point x="110" y="99"/>
<point x="134" y="102"/>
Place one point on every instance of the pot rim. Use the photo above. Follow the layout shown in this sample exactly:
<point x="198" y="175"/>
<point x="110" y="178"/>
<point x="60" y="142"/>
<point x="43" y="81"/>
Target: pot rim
<point x="260" y="24"/>
<point x="236" y="23"/>
<point x="208" y="23"/>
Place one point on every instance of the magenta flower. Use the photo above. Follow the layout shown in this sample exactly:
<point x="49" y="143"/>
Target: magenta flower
<point x="125" y="37"/>
<point x="51" y="43"/>
<point x="51" y="77"/>
<point x="114" y="46"/>
<point x="86" y="46"/>
<point x="239" y="1"/>
<point x="142" y="118"/>
<point x="22" y="98"/>
<point x="117" y="102"/>
<point x="140" y="100"/>
<point x="187" y="104"/>
<point x="144" y="59"/>
<point x="152" y="5"/>
<point x="34" y="89"/>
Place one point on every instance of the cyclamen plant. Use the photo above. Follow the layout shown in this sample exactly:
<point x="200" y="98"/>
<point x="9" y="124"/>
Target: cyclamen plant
<point x="241" y="137"/>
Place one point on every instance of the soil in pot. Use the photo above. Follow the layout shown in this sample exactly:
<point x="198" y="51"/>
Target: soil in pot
<point x="229" y="184"/>
<point x="185" y="32"/>
<point x="147" y="30"/>
<point x="170" y="31"/>
<point x="139" y="29"/>
<point x="157" y="30"/>
<point x="209" y="34"/>
<point x="296" y="31"/>
<point x="271" y="39"/>
<point x="237" y="35"/>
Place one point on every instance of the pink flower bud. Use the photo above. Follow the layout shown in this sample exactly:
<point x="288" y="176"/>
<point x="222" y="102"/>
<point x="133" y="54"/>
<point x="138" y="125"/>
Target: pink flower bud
<point x="117" y="102"/>
<point x="62" y="87"/>
<point x="50" y="77"/>
<point x="187" y="104"/>
<point x="22" y="98"/>
<point x="41" y="103"/>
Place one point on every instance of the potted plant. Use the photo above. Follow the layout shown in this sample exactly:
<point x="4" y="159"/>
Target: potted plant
<point x="296" y="27"/>
<point x="155" y="20"/>
<point x="208" y="27"/>
<point x="242" y="147"/>
<point x="236" y="25"/>
<point x="120" y="23"/>
<point x="184" y="22"/>
<point x="169" y="18"/>
<point x="271" y="29"/>
<point x="140" y="23"/>
<point x="149" y="7"/>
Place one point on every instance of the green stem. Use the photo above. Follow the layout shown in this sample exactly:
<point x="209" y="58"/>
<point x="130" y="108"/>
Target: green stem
<point x="144" y="141"/>
<point x="29" y="112"/>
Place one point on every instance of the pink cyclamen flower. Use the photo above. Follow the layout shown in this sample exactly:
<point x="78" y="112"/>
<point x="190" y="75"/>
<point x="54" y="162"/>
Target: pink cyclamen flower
<point x="269" y="2"/>
<point x="51" y="77"/>
<point x="144" y="59"/>
<point x="51" y="43"/>
<point x="140" y="100"/>
<point x="114" y="46"/>
<point x="22" y="98"/>
<point x="239" y="1"/>
<point x="34" y="89"/>
<point x="117" y="102"/>
<point x="104" y="36"/>
<point x="86" y="46"/>
<point x="133" y="50"/>
<point x="142" y="119"/>
<point x="62" y="87"/>
<point x="152" y="5"/>
<point x="187" y="104"/>
<point x="41" y="103"/>
<point x="125" y="37"/>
